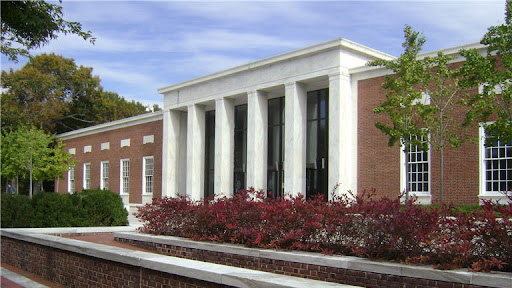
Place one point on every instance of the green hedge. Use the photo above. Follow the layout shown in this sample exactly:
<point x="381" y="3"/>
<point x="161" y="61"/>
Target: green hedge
<point x="86" y="209"/>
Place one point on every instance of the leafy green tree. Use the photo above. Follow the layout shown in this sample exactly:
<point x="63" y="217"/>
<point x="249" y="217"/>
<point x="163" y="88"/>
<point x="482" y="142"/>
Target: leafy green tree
<point x="31" y="153"/>
<point x="403" y="97"/>
<point x="423" y="98"/>
<point x="52" y="92"/>
<point x="446" y="98"/>
<point x="110" y="106"/>
<point x="31" y="24"/>
<point x="494" y="73"/>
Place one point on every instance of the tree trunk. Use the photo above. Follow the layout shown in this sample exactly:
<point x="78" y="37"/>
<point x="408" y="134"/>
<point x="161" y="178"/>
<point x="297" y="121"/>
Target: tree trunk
<point x="441" y="175"/>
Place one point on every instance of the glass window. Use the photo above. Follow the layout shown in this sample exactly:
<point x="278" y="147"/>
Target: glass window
<point x="419" y="168"/>
<point x="125" y="176"/>
<point x="71" y="179"/>
<point x="275" y="172"/>
<point x="209" y="154"/>
<point x="104" y="175"/>
<point x="87" y="176"/>
<point x="317" y="143"/>
<point x="240" y="147"/>
<point x="148" y="175"/>
<point x="497" y="165"/>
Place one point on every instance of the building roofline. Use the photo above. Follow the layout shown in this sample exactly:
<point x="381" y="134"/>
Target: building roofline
<point x="340" y="42"/>
<point x="108" y="126"/>
<point x="447" y="51"/>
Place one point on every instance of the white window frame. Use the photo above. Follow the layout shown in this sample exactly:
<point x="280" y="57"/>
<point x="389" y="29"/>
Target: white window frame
<point x="87" y="178"/>
<point x="483" y="172"/>
<point x="122" y="177"/>
<point x="144" y="176"/>
<point x="104" y="178"/>
<point x="423" y="197"/>
<point x="71" y="180"/>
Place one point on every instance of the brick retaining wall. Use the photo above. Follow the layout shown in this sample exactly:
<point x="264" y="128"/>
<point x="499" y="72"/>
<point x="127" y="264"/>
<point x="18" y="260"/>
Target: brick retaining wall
<point x="76" y="270"/>
<point x="76" y="263"/>
<point x="424" y="278"/>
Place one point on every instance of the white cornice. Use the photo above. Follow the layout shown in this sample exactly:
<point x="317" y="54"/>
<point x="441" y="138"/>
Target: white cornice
<point x="333" y="44"/>
<point x="123" y="123"/>
<point x="451" y="51"/>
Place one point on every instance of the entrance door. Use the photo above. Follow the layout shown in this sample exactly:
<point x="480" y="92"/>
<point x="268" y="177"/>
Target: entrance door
<point x="275" y="172"/>
<point x="317" y="143"/>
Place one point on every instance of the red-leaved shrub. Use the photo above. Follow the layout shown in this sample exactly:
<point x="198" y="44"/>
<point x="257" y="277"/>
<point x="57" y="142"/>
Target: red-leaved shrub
<point x="357" y="225"/>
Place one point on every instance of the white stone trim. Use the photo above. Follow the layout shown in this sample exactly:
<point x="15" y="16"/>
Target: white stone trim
<point x="105" y="146"/>
<point x="114" y="125"/>
<point x="125" y="143"/>
<point x="195" y="152"/>
<point x="148" y="139"/>
<point x="339" y="43"/>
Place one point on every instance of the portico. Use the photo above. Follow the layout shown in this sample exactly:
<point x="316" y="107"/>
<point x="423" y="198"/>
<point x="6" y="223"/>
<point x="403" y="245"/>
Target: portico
<point x="285" y="123"/>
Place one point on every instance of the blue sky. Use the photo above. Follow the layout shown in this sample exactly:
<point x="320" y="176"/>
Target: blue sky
<point x="145" y="45"/>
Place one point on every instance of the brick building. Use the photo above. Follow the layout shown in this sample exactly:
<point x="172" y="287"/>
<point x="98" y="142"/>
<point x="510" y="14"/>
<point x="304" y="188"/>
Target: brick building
<point x="295" y="123"/>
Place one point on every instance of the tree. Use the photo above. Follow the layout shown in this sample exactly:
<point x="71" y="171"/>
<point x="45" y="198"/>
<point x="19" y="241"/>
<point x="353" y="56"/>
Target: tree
<point x="31" y="153"/>
<point x="403" y="98"/>
<point x="52" y="92"/>
<point x="494" y="73"/>
<point x="31" y="24"/>
<point x="446" y="99"/>
<point x="110" y="106"/>
<point x="423" y="98"/>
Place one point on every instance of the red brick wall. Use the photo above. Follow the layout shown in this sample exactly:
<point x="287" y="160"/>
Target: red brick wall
<point x="379" y="164"/>
<point x="303" y="270"/>
<point x="135" y="152"/>
<point x="76" y="270"/>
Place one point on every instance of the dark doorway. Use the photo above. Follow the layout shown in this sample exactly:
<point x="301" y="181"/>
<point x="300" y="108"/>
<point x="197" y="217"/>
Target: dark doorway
<point x="240" y="147"/>
<point x="275" y="172"/>
<point x="317" y="143"/>
<point x="209" y="155"/>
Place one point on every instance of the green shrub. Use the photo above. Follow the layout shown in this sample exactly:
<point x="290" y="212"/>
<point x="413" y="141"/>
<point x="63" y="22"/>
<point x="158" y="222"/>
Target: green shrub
<point x="16" y="211"/>
<point x="55" y="210"/>
<point x="88" y="208"/>
<point x="103" y="208"/>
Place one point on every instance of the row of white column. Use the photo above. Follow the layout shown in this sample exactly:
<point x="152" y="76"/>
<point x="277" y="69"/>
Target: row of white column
<point x="183" y="166"/>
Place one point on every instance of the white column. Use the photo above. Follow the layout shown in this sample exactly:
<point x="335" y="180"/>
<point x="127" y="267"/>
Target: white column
<point x="171" y="153"/>
<point x="224" y="147"/>
<point x="295" y="139"/>
<point x="195" y="151"/>
<point x="342" y="134"/>
<point x="257" y="135"/>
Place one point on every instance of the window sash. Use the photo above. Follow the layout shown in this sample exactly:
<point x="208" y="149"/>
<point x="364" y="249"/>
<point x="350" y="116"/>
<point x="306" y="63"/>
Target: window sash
<point x="104" y="174"/>
<point x="149" y="164"/>
<point x="125" y="176"/>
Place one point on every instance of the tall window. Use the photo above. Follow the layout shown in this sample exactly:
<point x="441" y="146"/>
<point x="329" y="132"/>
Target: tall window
<point x="71" y="179"/>
<point x="148" y="175"/>
<point x="240" y="147"/>
<point x="104" y="175"/>
<point x="209" y="165"/>
<point x="125" y="176"/>
<point x="87" y="176"/>
<point x="317" y="143"/>
<point x="275" y="172"/>
<point x="496" y="166"/>
<point x="419" y="168"/>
